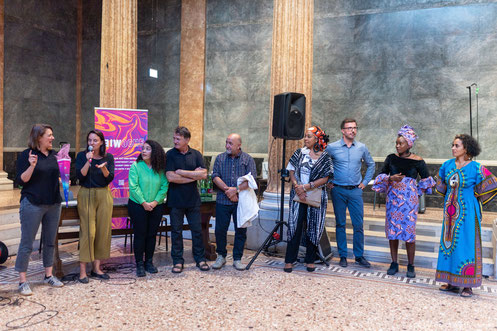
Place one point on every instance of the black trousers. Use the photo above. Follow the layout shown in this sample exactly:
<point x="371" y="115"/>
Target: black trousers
<point x="292" y="248"/>
<point x="145" y="226"/>
<point x="194" y="220"/>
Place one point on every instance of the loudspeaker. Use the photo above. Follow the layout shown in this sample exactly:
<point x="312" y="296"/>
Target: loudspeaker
<point x="289" y="116"/>
<point x="324" y="247"/>
<point x="4" y="253"/>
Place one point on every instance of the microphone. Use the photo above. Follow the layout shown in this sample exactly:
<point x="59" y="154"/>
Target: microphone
<point x="90" y="149"/>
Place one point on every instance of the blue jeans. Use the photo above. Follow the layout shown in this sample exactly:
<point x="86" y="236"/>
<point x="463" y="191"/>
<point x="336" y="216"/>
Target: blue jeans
<point x="193" y="216"/>
<point x="223" y="218"/>
<point x="342" y="199"/>
<point x="31" y="216"/>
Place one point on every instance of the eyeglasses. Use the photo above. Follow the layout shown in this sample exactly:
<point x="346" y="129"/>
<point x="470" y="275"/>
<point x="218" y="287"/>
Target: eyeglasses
<point x="353" y="128"/>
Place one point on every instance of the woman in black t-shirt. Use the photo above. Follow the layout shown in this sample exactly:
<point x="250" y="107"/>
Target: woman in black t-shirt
<point x="38" y="174"/>
<point x="95" y="171"/>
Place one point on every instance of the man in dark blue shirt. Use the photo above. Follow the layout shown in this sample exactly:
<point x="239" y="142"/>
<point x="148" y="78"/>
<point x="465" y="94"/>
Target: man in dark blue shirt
<point x="228" y="167"/>
<point x="184" y="166"/>
<point x="347" y="155"/>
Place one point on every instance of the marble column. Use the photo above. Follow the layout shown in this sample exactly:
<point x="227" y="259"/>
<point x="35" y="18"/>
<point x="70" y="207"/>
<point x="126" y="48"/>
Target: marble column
<point x="2" y="39"/>
<point x="291" y="71"/>
<point x="5" y="184"/>
<point x="79" y="59"/>
<point x="118" y="66"/>
<point x="192" y="70"/>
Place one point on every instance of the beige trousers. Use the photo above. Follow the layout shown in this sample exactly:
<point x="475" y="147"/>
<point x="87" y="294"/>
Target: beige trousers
<point x="95" y="214"/>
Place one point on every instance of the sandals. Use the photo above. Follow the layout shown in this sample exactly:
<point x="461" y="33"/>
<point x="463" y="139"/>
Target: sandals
<point x="467" y="292"/>
<point x="449" y="288"/>
<point x="177" y="268"/>
<point x="288" y="269"/>
<point x="203" y="266"/>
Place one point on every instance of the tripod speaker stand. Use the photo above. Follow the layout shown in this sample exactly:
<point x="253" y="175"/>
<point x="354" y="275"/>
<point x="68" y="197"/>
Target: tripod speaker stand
<point x="276" y="234"/>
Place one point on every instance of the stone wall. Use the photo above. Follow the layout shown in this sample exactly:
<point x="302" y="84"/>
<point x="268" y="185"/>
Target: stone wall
<point x="159" y="41"/>
<point x="40" y="69"/>
<point x="389" y="63"/>
<point x="237" y="83"/>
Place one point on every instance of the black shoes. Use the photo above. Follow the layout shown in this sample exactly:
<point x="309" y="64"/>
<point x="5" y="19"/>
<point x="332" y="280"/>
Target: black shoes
<point x="310" y="269"/>
<point x="410" y="271"/>
<point x="362" y="262"/>
<point x="150" y="268"/>
<point x="83" y="280"/>
<point x="394" y="268"/>
<point x="343" y="262"/>
<point x="100" y="276"/>
<point x="140" y="269"/>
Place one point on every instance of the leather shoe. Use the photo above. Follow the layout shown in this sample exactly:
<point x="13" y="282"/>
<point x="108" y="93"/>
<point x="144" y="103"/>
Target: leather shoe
<point x="140" y="270"/>
<point x="150" y="268"/>
<point x="343" y="262"/>
<point x="362" y="262"/>
<point x="394" y="268"/>
<point x="101" y="276"/>
<point x="83" y="280"/>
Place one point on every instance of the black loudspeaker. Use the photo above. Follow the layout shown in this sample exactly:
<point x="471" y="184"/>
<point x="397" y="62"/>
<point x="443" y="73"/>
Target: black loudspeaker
<point x="4" y="253"/>
<point x="289" y="116"/>
<point x="324" y="247"/>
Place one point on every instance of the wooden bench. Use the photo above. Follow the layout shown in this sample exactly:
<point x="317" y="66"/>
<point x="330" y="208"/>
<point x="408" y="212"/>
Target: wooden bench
<point x="120" y="209"/>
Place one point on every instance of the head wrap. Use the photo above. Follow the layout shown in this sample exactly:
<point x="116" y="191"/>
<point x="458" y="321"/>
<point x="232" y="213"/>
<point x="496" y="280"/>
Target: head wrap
<point x="409" y="135"/>
<point x="321" y="137"/>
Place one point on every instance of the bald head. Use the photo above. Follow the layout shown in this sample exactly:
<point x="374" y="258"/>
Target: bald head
<point x="233" y="144"/>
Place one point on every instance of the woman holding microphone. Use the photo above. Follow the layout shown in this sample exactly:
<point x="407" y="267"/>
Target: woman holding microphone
<point x="95" y="171"/>
<point x="147" y="190"/>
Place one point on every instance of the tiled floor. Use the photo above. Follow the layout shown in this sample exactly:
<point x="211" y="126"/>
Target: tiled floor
<point x="262" y="298"/>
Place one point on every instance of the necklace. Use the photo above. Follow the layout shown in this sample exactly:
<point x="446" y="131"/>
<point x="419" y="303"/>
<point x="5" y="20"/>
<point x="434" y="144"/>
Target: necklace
<point x="405" y="156"/>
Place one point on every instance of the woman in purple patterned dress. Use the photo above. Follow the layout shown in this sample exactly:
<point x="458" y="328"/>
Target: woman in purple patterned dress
<point x="398" y="180"/>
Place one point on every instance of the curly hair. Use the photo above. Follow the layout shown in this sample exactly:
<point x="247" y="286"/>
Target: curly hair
<point x="157" y="157"/>
<point x="469" y="143"/>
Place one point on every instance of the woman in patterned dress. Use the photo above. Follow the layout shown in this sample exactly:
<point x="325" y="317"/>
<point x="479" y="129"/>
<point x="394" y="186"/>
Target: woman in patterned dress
<point x="466" y="185"/>
<point x="398" y="180"/>
<point x="309" y="169"/>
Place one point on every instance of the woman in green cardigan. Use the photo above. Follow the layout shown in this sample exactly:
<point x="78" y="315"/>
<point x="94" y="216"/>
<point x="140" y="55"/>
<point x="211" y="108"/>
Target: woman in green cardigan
<point x="147" y="190"/>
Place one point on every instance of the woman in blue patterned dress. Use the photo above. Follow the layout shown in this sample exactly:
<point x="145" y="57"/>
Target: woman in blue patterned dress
<point x="398" y="180"/>
<point x="466" y="185"/>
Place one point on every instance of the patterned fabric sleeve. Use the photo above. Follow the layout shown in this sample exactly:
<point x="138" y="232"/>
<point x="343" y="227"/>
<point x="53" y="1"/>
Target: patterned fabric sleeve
<point x="486" y="189"/>
<point x="425" y="185"/>
<point x="426" y="182"/>
<point x="441" y="187"/>
<point x="381" y="183"/>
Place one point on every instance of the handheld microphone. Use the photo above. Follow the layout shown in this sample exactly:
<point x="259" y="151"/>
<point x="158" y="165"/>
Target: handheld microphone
<point x="90" y="149"/>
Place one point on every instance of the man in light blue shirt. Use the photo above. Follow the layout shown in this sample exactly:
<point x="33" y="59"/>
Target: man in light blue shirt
<point x="348" y="155"/>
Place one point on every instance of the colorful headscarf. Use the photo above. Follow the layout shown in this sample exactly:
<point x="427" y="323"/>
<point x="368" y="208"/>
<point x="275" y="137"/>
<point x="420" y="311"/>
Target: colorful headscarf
<point x="322" y="138"/>
<point x="409" y="135"/>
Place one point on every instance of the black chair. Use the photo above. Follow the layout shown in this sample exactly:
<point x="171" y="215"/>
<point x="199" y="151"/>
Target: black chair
<point x="129" y="225"/>
<point x="163" y="222"/>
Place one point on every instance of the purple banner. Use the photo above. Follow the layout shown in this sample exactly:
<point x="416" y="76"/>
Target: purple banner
<point x="125" y="131"/>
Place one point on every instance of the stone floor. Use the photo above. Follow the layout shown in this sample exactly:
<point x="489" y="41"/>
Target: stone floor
<point x="262" y="298"/>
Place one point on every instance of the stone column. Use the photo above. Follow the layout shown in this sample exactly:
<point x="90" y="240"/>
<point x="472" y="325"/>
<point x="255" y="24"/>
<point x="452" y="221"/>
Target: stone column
<point x="192" y="70"/>
<point x="5" y="184"/>
<point x="291" y="71"/>
<point x="118" y="63"/>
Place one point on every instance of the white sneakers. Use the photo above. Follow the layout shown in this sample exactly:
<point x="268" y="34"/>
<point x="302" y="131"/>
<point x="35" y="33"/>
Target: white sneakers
<point x="220" y="262"/>
<point x="53" y="281"/>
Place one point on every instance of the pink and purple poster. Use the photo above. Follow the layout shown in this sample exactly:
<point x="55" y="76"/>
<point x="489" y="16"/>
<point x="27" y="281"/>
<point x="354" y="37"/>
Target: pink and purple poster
<point x="125" y="131"/>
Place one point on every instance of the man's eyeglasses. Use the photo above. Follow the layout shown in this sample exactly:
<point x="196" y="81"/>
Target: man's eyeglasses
<point x="353" y="128"/>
